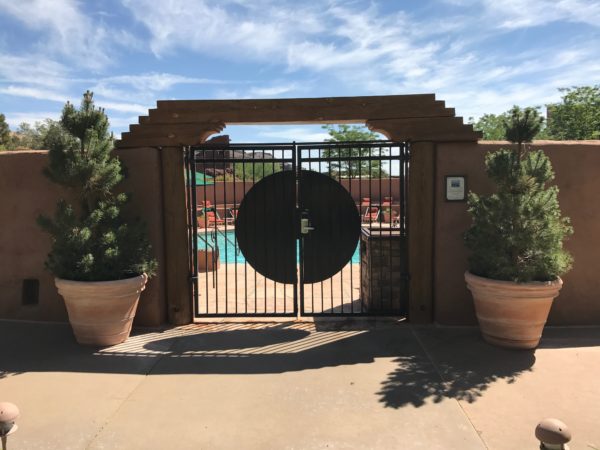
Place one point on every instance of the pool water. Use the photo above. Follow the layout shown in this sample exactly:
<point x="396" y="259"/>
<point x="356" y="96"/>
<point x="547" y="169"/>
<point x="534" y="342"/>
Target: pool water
<point x="229" y="254"/>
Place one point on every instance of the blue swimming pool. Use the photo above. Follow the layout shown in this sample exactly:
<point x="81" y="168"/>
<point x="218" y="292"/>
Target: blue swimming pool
<point x="227" y="244"/>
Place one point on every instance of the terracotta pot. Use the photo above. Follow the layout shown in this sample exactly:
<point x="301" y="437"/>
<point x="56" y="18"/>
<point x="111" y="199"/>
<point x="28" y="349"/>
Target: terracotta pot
<point x="101" y="312"/>
<point x="208" y="260"/>
<point x="512" y="314"/>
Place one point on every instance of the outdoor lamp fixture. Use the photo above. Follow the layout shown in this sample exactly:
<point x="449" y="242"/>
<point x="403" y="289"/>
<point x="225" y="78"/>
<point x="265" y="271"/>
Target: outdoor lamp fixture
<point x="553" y="434"/>
<point x="8" y="414"/>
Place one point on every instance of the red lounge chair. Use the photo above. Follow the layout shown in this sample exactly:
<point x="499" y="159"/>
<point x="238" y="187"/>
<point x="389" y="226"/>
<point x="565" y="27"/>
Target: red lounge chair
<point x="208" y="217"/>
<point x="213" y="218"/>
<point x="371" y="215"/>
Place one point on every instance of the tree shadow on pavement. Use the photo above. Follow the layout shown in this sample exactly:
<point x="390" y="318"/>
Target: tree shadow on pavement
<point x="431" y="363"/>
<point x="465" y="364"/>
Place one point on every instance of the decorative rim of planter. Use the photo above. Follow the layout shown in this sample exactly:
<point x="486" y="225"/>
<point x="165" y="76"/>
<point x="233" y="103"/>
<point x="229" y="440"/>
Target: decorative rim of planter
<point x="508" y="289"/>
<point x="91" y="287"/>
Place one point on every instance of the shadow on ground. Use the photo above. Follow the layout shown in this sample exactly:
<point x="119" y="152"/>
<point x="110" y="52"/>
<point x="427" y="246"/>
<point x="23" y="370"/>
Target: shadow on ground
<point x="465" y="365"/>
<point x="431" y="363"/>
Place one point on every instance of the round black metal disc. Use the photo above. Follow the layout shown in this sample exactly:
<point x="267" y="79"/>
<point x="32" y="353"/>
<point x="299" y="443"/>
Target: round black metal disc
<point x="266" y="227"/>
<point x="336" y="222"/>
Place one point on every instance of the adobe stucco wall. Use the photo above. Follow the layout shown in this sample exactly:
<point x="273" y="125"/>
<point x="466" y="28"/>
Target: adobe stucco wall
<point x="577" y="167"/>
<point x="25" y="193"/>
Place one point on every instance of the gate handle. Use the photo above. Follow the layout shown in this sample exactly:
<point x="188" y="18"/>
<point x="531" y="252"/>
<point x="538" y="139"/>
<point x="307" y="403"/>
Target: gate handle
<point x="305" y="227"/>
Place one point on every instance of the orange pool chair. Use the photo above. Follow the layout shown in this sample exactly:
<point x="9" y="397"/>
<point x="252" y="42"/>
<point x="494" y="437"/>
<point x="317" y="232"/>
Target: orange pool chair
<point x="213" y="218"/>
<point x="371" y="214"/>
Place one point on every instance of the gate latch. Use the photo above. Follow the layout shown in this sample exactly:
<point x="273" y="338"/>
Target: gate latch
<point x="305" y="227"/>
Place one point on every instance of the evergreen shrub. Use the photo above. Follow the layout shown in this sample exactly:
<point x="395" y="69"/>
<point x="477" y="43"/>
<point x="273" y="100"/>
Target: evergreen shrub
<point x="91" y="240"/>
<point x="518" y="232"/>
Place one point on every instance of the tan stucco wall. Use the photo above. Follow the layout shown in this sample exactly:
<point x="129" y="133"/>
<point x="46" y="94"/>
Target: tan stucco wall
<point x="577" y="167"/>
<point x="144" y="182"/>
<point x="25" y="193"/>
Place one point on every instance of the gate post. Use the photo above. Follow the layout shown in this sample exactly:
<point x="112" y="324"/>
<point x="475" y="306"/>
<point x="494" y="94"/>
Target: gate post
<point x="421" y="183"/>
<point x="179" y="306"/>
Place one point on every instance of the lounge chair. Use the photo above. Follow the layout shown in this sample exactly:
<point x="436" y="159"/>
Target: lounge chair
<point x="213" y="218"/>
<point x="371" y="215"/>
<point x="231" y="215"/>
<point x="209" y="217"/>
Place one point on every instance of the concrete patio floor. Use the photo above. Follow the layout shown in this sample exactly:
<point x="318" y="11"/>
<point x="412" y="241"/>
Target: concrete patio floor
<point x="341" y="385"/>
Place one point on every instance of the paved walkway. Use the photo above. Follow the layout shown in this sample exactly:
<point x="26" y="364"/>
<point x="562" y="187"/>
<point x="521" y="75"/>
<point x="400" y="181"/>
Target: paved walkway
<point x="337" y="385"/>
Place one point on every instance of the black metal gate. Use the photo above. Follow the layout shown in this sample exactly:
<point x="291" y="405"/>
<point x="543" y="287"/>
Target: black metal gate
<point x="316" y="229"/>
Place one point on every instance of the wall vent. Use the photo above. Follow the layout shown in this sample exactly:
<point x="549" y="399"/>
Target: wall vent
<point x="30" y="294"/>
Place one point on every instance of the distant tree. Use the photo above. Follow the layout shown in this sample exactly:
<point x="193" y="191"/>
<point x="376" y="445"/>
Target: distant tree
<point x="577" y="116"/>
<point x="4" y="133"/>
<point x="34" y="136"/>
<point x="345" y="168"/>
<point x="493" y="126"/>
<point x="255" y="171"/>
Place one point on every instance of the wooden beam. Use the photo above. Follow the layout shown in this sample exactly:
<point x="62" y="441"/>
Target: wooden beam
<point x="432" y="129"/>
<point x="166" y="130"/>
<point x="250" y="104"/>
<point x="179" y="305"/>
<point x="304" y="110"/>
<point x="164" y="138"/>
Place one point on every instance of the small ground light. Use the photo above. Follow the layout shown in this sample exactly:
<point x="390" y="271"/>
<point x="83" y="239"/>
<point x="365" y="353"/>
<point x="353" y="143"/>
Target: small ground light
<point x="553" y="434"/>
<point x="8" y="414"/>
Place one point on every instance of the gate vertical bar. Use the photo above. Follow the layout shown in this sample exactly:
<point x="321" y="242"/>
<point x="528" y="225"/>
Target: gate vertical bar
<point x="193" y="223"/>
<point x="297" y="167"/>
<point x="404" y="185"/>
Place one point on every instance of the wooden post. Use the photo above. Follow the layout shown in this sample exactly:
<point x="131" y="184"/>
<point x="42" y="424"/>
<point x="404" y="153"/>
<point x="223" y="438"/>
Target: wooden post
<point x="179" y="305"/>
<point x="420" y="231"/>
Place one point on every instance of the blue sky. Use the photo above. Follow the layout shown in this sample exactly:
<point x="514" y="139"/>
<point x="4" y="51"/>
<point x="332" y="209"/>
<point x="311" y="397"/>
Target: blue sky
<point x="478" y="55"/>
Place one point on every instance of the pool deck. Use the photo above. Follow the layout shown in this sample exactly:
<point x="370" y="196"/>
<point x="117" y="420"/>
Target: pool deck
<point x="350" y="385"/>
<point x="240" y="286"/>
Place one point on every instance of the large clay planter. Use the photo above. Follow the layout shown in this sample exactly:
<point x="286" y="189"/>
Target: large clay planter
<point x="208" y="260"/>
<point x="512" y="314"/>
<point x="101" y="312"/>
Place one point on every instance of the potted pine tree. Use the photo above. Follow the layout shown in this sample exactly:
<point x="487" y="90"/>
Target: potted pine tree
<point x="100" y="261"/>
<point x="516" y="240"/>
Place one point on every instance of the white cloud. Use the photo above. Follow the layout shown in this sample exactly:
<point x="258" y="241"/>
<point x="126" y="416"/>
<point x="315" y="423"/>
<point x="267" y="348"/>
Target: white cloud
<point x="122" y="107"/>
<point x="14" y="119"/>
<point x="521" y="14"/>
<point x="69" y="31"/>
<point x="211" y="28"/>
<point x="35" y="93"/>
<point x="145" y="87"/>
<point x="35" y="69"/>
